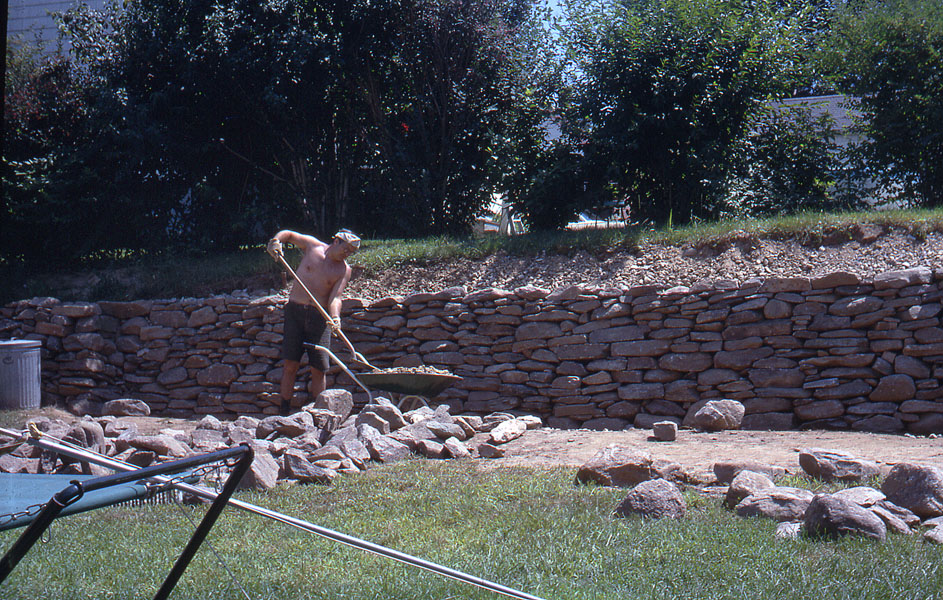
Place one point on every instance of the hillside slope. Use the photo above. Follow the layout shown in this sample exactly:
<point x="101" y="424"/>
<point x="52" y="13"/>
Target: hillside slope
<point x="740" y="258"/>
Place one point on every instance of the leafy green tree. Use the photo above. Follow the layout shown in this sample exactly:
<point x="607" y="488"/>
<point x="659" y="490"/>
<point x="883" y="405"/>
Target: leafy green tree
<point x="59" y="160"/>
<point x="889" y="55"/>
<point x="665" y="90"/>
<point x="454" y="102"/>
<point x="384" y="116"/>
<point x="241" y="101"/>
<point x="788" y="161"/>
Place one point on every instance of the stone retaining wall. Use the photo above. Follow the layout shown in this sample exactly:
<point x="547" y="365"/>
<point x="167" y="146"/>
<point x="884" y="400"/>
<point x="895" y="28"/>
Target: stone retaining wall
<point x="833" y="351"/>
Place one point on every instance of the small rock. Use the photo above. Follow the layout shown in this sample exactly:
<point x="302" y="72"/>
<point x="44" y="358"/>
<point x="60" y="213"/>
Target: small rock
<point x="665" y="431"/>
<point x="385" y="449"/>
<point x="262" y="473"/>
<point x="444" y="431"/>
<point x="431" y="449"/>
<point x="210" y="422"/>
<point x="508" y="430"/>
<point x="337" y="401"/>
<point x="373" y="420"/>
<point x="934" y="536"/>
<point x="656" y="498"/>
<point x="490" y="451"/>
<point x="456" y="449"/>
<point x="789" y="530"/>
<point x="297" y="466"/>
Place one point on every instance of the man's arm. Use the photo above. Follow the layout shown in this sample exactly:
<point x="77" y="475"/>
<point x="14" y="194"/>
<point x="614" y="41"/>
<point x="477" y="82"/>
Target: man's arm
<point x="334" y="300"/>
<point x="298" y="240"/>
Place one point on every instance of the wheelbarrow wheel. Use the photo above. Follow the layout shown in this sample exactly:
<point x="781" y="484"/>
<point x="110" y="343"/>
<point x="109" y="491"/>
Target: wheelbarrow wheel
<point x="411" y="402"/>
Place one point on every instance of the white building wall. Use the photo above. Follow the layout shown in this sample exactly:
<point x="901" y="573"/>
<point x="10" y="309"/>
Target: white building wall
<point x="29" y="20"/>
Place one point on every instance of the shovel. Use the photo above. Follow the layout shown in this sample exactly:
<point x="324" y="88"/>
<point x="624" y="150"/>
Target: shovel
<point x="357" y="356"/>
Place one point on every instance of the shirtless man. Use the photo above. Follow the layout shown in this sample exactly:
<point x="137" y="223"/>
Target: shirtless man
<point x="325" y="272"/>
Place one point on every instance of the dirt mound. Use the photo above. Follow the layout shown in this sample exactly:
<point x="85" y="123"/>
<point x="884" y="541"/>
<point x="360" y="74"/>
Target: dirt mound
<point x="659" y="264"/>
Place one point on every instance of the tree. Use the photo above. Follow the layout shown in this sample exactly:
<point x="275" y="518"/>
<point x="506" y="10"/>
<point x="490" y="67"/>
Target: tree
<point x="244" y="109"/>
<point x="453" y="102"/>
<point x="788" y="161"/>
<point x="60" y="159"/>
<point x="889" y="54"/>
<point x="390" y="116"/>
<point x="665" y="91"/>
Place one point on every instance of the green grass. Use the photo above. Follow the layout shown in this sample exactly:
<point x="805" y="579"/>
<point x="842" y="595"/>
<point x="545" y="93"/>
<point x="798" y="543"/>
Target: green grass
<point x="533" y="530"/>
<point x="126" y="276"/>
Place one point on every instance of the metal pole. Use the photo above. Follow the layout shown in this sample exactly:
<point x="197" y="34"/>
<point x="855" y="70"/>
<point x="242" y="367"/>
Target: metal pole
<point x="83" y="454"/>
<point x="346" y="370"/>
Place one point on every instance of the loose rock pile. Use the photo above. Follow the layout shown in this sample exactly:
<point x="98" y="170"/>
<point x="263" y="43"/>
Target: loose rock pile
<point x="314" y="445"/>
<point x="910" y="496"/>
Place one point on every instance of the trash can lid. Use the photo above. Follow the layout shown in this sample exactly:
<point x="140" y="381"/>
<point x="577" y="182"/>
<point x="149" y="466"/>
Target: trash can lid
<point x="18" y="344"/>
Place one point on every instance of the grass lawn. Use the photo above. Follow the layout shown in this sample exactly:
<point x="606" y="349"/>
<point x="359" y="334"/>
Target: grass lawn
<point x="533" y="530"/>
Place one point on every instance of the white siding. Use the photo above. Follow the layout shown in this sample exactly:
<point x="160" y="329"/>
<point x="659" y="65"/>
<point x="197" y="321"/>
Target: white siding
<point x="29" y="19"/>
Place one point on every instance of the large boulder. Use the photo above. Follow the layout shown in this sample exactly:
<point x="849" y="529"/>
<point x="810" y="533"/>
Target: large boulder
<point x="725" y="471"/>
<point x="835" y="516"/>
<point x="164" y="445"/>
<point x="833" y="465"/>
<point x="779" y="503"/>
<point x="656" y="498"/>
<point x="718" y="415"/>
<point x="745" y="484"/>
<point x="617" y="466"/>
<point x="918" y="488"/>
<point x="126" y="407"/>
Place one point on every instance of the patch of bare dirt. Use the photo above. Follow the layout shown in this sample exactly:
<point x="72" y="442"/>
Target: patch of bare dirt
<point x="698" y="450"/>
<point x="741" y="259"/>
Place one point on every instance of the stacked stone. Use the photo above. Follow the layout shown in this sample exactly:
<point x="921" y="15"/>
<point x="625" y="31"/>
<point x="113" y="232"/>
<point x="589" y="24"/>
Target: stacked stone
<point x="183" y="357"/>
<point x="833" y="351"/>
<point x="826" y="352"/>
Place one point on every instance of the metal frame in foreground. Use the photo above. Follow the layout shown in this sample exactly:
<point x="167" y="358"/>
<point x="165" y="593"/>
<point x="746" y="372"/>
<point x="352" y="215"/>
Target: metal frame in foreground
<point x="82" y="454"/>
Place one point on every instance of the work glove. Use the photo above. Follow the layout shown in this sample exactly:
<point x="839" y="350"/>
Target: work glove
<point x="274" y="248"/>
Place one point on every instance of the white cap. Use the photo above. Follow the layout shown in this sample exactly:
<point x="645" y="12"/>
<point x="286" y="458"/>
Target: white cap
<point x="348" y="236"/>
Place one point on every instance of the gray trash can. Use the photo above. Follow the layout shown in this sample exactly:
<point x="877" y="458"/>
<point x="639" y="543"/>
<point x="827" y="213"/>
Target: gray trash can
<point x="19" y="374"/>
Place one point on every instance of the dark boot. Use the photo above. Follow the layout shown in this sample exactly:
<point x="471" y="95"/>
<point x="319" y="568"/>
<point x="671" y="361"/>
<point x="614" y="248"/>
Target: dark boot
<point x="286" y="408"/>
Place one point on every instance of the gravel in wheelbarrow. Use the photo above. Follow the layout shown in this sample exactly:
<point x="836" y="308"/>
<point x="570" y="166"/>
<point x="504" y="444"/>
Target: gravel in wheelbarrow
<point x="419" y="381"/>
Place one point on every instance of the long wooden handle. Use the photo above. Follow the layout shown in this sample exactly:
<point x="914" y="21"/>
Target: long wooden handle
<point x="357" y="356"/>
